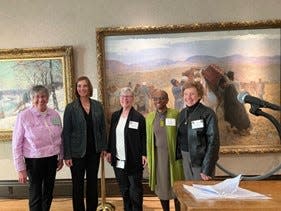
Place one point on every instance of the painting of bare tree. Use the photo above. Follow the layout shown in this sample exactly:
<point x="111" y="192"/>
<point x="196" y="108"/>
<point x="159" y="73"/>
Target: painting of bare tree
<point x="20" y="69"/>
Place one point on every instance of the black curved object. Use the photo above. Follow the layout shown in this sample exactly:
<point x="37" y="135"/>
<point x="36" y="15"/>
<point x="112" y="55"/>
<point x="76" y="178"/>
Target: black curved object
<point x="255" y="110"/>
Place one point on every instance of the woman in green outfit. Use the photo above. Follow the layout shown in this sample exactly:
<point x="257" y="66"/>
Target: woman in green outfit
<point x="164" y="169"/>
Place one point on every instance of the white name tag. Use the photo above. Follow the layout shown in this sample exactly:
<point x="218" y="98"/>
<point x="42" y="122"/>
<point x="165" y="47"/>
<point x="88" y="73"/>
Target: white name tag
<point x="170" y="122"/>
<point x="197" y="124"/>
<point x="56" y="121"/>
<point x="133" y="125"/>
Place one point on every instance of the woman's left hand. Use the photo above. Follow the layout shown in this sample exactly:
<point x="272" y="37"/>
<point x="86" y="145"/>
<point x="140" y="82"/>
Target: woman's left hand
<point x="205" y="177"/>
<point x="144" y="161"/>
<point x="60" y="164"/>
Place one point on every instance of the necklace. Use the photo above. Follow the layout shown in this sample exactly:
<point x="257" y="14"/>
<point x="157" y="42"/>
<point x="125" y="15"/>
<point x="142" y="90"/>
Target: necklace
<point x="162" y="116"/>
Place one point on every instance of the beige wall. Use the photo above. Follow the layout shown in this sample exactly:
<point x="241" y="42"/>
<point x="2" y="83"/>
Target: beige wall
<point x="40" y="23"/>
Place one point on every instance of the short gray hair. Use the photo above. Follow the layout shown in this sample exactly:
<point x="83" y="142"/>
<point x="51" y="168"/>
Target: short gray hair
<point x="125" y="90"/>
<point x="38" y="89"/>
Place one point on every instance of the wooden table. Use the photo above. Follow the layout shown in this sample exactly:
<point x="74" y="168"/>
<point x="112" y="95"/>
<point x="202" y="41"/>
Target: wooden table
<point x="271" y="188"/>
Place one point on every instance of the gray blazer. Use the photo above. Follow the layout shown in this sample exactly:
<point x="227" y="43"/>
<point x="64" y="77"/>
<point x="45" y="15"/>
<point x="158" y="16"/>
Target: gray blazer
<point x="75" y="129"/>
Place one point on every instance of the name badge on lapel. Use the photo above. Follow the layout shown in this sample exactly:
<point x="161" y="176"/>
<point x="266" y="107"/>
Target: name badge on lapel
<point x="196" y="124"/>
<point x="170" y="122"/>
<point x="133" y="125"/>
<point x="56" y="121"/>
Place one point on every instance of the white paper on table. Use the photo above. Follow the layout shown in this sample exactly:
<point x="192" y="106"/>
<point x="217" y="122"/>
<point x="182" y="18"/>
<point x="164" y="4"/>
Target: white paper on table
<point x="227" y="186"/>
<point x="227" y="189"/>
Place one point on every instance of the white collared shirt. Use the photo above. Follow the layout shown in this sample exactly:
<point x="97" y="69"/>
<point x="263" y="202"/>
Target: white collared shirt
<point x="120" y="138"/>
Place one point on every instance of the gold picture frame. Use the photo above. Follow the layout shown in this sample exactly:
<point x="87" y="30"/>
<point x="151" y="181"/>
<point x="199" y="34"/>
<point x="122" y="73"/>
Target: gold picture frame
<point x="119" y="64"/>
<point x="20" y="68"/>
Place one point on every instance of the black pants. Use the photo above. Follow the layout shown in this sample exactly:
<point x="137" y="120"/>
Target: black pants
<point x="131" y="189"/>
<point x="41" y="173"/>
<point x="166" y="205"/>
<point x="90" y="165"/>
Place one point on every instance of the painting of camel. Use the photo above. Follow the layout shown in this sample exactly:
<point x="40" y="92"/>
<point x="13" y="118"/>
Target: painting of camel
<point x="227" y="58"/>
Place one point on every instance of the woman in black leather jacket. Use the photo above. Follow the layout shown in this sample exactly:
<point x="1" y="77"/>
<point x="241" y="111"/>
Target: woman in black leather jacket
<point x="197" y="136"/>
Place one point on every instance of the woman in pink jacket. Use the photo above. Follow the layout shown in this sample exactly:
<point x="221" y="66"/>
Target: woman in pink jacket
<point x="37" y="149"/>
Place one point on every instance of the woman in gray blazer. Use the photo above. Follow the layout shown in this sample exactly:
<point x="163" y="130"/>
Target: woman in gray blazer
<point x="84" y="137"/>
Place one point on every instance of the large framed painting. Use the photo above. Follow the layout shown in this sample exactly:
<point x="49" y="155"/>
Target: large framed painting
<point x="227" y="58"/>
<point x="20" y="69"/>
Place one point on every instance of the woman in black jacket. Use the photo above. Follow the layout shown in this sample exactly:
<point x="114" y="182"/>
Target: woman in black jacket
<point x="127" y="150"/>
<point x="84" y="137"/>
<point x="197" y="136"/>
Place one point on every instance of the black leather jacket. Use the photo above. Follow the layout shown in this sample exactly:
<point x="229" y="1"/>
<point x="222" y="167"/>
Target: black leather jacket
<point x="203" y="139"/>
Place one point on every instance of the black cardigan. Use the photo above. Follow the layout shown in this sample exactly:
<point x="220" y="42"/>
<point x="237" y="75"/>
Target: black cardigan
<point x="135" y="141"/>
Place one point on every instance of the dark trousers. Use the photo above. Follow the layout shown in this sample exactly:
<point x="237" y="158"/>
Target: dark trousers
<point x="41" y="173"/>
<point x="131" y="189"/>
<point x="90" y="165"/>
<point x="166" y="205"/>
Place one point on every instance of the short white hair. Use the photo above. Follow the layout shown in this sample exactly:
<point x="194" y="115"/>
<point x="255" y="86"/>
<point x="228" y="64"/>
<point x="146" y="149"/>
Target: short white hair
<point x="126" y="90"/>
<point x="39" y="89"/>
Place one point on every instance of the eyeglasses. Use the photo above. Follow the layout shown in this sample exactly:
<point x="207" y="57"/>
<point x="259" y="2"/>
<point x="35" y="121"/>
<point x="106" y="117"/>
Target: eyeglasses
<point x="159" y="98"/>
<point x="126" y="96"/>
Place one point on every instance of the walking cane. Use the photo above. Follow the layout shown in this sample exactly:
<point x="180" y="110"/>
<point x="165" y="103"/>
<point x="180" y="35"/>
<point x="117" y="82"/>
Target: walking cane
<point x="103" y="205"/>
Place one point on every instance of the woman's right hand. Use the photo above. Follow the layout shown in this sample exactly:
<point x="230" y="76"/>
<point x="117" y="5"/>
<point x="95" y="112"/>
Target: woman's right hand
<point x="108" y="157"/>
<point x="68" y="162"/>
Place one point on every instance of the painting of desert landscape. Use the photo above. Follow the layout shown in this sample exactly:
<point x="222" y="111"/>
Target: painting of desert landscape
<point x="225" y="62"/>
